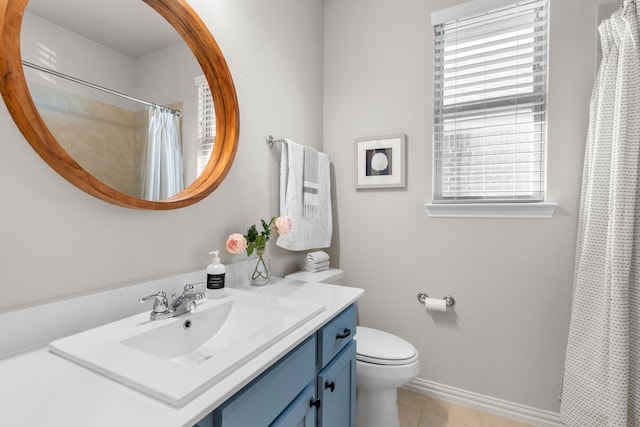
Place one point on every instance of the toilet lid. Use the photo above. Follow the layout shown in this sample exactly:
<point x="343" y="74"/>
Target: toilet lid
<point x="383" y="348"/>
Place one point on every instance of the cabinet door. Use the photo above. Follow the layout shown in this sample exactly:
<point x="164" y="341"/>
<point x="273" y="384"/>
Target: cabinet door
<point x="301" y="412"/>
<point x="337" y="390"/>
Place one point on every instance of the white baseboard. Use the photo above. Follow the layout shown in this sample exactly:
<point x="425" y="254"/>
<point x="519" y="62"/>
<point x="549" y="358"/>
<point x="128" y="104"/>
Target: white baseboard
<point x="488" y="404"/>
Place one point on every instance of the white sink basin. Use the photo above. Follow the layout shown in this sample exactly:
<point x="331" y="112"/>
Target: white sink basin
<point x="176" y="359"/>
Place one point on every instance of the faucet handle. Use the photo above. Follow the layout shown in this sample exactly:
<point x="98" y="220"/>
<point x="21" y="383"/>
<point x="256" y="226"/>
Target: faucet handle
<point x="160" y="303"/>
<point x="190" y="287"/>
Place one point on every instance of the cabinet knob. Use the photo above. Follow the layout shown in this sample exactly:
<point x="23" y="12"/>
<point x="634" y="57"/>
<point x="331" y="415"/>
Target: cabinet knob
<point x="314" y="402"/>
<point x="330" y="385"/>
<point x="344" y="334"/>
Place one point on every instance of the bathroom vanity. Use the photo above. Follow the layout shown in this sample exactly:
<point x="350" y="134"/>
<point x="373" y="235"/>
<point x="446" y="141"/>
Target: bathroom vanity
<point x="306" y="377"/>
<point x="315" y="384"/>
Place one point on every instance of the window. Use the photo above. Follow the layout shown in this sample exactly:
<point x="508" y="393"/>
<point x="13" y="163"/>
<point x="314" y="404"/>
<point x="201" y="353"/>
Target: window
<point x="206" y="123"/>
<point x="490" y="86"/>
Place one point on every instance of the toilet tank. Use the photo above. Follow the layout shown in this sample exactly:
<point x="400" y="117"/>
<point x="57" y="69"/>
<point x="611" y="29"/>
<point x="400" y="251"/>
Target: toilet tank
<point x="333" y="276"/>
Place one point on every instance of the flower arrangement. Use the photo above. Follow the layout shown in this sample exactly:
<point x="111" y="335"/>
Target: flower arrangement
<point x="257" y="241"/>
<point x="236" y="243"/>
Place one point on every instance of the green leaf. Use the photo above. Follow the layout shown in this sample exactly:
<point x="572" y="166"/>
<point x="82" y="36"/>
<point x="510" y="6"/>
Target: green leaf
<point x="252" y="233"/>
<point x="267" y="229"/>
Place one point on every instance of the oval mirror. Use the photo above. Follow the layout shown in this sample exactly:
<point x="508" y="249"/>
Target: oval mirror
<point x="115" y="130"/>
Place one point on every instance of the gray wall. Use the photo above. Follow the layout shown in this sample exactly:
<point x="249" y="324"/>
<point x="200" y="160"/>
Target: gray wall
<point x="57" y="241"/>
<point x="511" y="278"/>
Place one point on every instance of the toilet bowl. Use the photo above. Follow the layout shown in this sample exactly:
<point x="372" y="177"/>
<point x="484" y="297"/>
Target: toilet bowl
<point x="384" y="362"/>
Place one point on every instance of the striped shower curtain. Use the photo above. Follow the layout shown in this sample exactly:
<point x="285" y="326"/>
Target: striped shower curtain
<point x="162" y="168"/>
<point x="602" y="365"/>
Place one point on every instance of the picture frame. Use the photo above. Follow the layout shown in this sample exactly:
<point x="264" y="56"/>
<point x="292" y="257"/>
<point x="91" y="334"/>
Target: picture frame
<point x="380" y="161"/>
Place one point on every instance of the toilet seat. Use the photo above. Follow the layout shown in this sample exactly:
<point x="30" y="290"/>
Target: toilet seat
<point x="382" y="348"/>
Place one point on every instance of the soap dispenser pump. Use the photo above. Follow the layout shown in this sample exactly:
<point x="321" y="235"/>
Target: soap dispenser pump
<point x="215" y="277"/>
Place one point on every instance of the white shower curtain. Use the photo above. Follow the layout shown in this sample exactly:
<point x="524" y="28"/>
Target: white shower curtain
<point x="602" y="369"/>
<point x="162" y="168"/>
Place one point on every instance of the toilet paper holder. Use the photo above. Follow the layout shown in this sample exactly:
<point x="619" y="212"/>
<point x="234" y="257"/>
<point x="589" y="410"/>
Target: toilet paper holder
<point x="422" y="296"/>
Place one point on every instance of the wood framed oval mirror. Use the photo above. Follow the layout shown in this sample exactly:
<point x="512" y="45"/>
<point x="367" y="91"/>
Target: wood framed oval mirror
<point x="195" y="34"/>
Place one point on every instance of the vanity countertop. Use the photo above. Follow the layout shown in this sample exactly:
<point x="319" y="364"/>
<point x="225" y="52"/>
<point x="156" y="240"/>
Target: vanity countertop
<point x="40" y="388"/>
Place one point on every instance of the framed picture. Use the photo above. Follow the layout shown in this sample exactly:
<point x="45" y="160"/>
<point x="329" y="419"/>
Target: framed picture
<point x="380" y="161"/>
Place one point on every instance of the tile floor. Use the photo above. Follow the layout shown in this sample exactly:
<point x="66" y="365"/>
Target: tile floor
<point x="417" y="410"/>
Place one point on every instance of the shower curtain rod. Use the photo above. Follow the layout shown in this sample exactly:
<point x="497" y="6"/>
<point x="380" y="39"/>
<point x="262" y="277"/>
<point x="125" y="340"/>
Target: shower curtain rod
<point x="94" y="86"/>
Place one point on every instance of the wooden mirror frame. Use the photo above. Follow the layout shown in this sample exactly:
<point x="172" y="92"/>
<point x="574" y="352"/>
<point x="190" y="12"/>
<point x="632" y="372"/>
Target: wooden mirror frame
<point x="196" y="35"/>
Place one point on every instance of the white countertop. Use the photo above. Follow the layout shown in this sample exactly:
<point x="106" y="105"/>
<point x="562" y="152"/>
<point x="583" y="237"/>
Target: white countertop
<point x="40" y="388"/>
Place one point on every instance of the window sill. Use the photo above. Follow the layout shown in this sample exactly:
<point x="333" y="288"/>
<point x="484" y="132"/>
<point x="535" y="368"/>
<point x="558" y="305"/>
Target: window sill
<point x="540" y="210"/>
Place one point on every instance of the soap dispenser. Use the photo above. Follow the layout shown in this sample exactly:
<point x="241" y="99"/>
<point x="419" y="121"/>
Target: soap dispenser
<point x="215" y="277"/>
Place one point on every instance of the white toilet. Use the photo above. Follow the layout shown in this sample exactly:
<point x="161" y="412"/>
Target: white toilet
<point x="384" y="363"/>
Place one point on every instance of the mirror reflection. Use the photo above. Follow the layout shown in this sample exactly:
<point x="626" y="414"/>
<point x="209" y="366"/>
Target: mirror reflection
<point x="121" y="92"/>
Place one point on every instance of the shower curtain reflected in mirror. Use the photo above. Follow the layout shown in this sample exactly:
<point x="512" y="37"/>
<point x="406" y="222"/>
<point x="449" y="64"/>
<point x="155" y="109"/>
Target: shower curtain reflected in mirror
<point x="162" y="169"/>
<point x="602" y="365"/>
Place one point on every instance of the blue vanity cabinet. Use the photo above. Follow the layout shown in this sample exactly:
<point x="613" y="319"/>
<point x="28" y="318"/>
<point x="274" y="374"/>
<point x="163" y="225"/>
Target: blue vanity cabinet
<point x="314" y="385"/>
<point x="336" y="381"/>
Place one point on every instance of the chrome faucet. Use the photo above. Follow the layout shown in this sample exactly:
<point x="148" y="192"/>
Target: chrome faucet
<point x="185" y="303"/>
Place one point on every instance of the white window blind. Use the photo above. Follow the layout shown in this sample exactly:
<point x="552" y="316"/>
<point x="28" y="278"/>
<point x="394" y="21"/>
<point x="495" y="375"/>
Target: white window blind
<point x="490" y="86"/>
<point x="206" y="123"/>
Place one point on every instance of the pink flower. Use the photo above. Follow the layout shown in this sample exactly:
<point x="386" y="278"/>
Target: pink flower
<point x="236" y="243"/>
<point x="283" y="225"/>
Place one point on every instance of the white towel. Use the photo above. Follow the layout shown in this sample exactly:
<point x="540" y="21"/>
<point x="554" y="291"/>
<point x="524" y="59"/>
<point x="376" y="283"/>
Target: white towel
<point x="314" y="268"/>
<point x="313" y="265"/>
<point x="307" y="232"/>
<point x="316" y="257"/>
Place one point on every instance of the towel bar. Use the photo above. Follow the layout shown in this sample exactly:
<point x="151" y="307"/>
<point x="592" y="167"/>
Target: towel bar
<point x="271" y="141"/>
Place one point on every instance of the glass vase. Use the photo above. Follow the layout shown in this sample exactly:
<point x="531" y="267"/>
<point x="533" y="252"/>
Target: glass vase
<point x="261" y="272"/>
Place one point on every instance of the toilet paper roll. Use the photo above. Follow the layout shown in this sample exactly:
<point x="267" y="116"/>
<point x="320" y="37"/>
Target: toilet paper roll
<point x="434" y="304"/>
